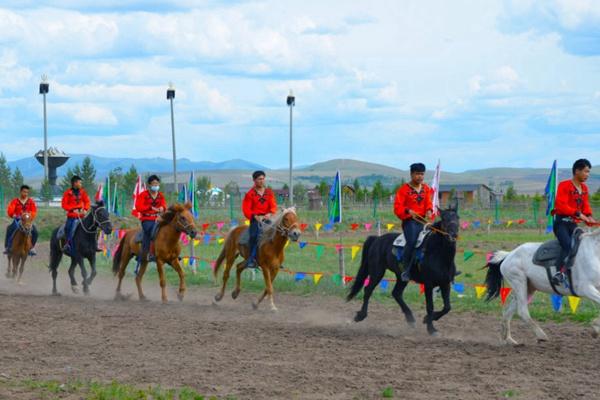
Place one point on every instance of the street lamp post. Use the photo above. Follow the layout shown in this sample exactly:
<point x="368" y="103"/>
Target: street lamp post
<point x="170" y="97"/>
<point x="291" y="102"/>
<point x="44" y="88"/>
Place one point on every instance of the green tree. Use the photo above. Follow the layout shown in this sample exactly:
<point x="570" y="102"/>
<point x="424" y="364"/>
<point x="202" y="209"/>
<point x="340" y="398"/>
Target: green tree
<point x="232" y="188"/>
<point x="299" y="193"/>
<point x="88" y="176"/>
<point x="379" y="191"/>
<point x="356" y="185"/>
<point x="511" y="194"/>
<point x="5" y="176"/>
<point x="203" y="184"/>
<point x="596" y="195"/>
<point x="16" y="181"/>
<point x="323" y="188"/>
<point x="46" y="194"/>
<point x="116" y="176"/>
<point x="130" y="179"/>
<point x="65" y="182"/>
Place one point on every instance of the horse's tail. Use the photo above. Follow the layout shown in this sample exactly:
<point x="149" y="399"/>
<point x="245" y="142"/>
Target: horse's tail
<point x="223" y="253"/>
<point x="493" y="278"/>
<point x="55" y="251"/>
<point x="363" y="271"/>
<point x="117" y="257"/>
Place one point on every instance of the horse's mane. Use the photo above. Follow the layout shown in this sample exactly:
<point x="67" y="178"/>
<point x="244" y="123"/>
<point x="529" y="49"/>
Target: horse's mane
<point x="594" y="234"/>
<point x="170" y="214"/>
<point x="269" y="230"/>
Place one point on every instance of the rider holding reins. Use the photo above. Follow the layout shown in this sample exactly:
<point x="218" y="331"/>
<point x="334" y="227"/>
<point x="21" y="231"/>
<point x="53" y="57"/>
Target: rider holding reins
<point x="149" y="204"/>
<point x="413" y="205"/>
<point x="76" y="203"/>
<point x="16" y="208"/>
<point x="259" y="204"/>
<point x="572" y="206"/>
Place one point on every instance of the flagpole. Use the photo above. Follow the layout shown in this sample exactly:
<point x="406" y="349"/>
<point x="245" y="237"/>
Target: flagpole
<point x="192" y="198"/>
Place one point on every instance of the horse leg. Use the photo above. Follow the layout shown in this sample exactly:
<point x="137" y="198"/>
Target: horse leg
<point x="92" y="260"/>
<point x="219" y="296"/>
<point x="21" y="269"/>
<point x="368" y="291"/>
<point x="519" y="291"/>
<point x="267" y="292"/>
<point x="54" y="275"/>
<point x="397" y="294"/>
<point x="274" y="271"/>
<point x="593" y="294"/>
<point x="179" y="271"/>
<point x="138" y="279"/>
<point x="86" y="288"/>
<point x="238" y="280"/>
<point x="429" y="306"/>
<point x="507" y="315"/>
<point x="72" y="276"/>
<point x="163" y="282"/>
<point x="445" y="289"/>
<point x="125" y="258"/>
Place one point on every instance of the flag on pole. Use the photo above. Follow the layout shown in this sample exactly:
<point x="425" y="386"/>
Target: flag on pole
<point x="99" y="193"/>
<point x="139" y="188"/>
<point x="182" y="196"/>
<point x="435" y="189"/>
<point x="115" y="202"/>
<point x="550" y="193"/>
<point x="192" y="195"/>
<point x="106" y="193"/>
<point x="334" y="203"/>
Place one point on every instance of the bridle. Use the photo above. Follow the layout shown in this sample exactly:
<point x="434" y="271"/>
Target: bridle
<point x="428" y="225"/>
<point x="185" y="227"/>
<point x="95" y="222"/>
<point x="285" y="230"/>
<point x="22" y="228"/>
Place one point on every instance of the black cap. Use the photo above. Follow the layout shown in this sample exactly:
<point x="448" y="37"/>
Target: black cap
<point x="417" y="167"/>
<point x="257" y="174"/>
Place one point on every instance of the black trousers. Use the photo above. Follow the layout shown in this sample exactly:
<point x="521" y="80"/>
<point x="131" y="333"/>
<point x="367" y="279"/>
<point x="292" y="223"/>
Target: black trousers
<point x="253" y="242"/>
<point x="147" y="228"/>
<point x="563" y="230"/>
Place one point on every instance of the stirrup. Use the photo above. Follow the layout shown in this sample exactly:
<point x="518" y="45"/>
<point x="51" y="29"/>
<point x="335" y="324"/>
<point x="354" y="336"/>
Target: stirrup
<point x="251" y="263"/>
<point x="558" y="278"/>
<point x="32" y="252"/>
<point x="405" y="276"/>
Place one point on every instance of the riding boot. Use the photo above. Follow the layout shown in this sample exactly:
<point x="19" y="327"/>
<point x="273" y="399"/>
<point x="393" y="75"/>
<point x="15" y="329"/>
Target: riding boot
<point x="406" y="275"/>
<point x="251" y="261"/>
<point x="559" y="276"/>
<point x="32" y="252"/>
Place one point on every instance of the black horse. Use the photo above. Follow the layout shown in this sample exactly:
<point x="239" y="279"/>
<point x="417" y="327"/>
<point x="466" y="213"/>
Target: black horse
<point x="437" y="268"/>
<point x="85" y="247"/>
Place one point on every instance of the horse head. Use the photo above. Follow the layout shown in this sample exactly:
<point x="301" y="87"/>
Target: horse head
<point x="289" y="224"/>
<point x="182" y="218"/>
<point x="449" y="221"/>
<point x="26" y="221"/>
<point x="101" y="217"/>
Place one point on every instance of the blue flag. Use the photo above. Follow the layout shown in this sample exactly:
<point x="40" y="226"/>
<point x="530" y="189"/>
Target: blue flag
<point x="550" y="193"/>
<point x="334" y="202"/>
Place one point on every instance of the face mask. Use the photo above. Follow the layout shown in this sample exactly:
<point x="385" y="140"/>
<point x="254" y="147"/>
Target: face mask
<point x="155" y="188"/>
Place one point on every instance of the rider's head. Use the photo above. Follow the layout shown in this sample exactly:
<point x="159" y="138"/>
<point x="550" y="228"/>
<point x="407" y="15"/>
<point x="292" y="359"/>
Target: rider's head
<point x="417" y="173"/>
<point x="76" y="182"/>
<point x="259" y="178"/>
<point x="153" y="182"/>
<point x="24" y="190"/>
<point x="581" y="169"/>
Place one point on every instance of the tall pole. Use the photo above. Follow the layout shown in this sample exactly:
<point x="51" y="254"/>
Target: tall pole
<point x="291" y="102"/>
<point x="44" y="88"/>
<point x="170" y="97"/>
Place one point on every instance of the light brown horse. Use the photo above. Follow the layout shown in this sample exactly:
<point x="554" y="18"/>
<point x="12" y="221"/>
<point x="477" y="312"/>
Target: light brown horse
<point x="270" y="253"/>
<point x="176" y="220"/>
<point x="19" y="250"/>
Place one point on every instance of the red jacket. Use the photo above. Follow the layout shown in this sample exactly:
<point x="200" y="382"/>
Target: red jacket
<point x="570" y="203"/>
<point x="144" y="204"/>
<point x="16" y="208"/>
<point x="71" y="202"/>
<point x="407" y="198"/>
<point x="255" y="204"/>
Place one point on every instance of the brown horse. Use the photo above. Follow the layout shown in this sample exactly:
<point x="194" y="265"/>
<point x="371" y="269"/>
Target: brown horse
<point x="19" y="250"/>
<point x="176" y="220"/>
<point x="270" y="253"/>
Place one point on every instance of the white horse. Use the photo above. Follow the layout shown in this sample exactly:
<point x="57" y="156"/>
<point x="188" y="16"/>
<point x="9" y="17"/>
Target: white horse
<point x="525" y="278"/>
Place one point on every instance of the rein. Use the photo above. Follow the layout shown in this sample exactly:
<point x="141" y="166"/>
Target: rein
<point x="426" y="223"/>
<point x="95" y="222"/>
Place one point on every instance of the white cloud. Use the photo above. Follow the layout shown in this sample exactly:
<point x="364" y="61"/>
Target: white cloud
<point x="88" y="114"/>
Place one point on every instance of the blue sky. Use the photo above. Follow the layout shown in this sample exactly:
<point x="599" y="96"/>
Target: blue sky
<point x="473" y="83"/>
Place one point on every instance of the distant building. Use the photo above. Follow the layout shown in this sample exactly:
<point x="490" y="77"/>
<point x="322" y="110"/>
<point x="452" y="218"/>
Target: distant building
<point x="476" y="194"/>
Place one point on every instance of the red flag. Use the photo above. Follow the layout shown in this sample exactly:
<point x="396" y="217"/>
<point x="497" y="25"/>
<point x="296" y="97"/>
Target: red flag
<point x="421" y="288"/>
<point x="303" y="227"/>
<point x="98" y="196"/>
<point x="354" y="227"/>
<point x="348" y="279"/>
<point x="139" y="188"/>
<point x="504" y="292"/>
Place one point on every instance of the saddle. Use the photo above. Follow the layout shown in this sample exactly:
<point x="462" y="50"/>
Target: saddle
<point x="547" y="256"/>
<point x="245" y="237"/>
<point x="139" y="236"/>
<point x="60" y="234"/>
<point x="400" y="243"/>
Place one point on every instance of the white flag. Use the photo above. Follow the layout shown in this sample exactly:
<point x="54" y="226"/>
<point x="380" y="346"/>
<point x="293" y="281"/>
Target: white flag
<point x="139" y="188"/>
<point x="435" y="189"/>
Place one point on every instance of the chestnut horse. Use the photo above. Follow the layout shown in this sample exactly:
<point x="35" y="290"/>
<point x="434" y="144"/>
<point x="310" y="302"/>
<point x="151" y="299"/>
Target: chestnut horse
<point x="176" y="220"/>
<point x="19" y="250"/>
<point x="270" y="253"/>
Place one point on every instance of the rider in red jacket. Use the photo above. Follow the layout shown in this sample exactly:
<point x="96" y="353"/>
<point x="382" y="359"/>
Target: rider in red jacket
<point x="259" y="204"/>
<point x="413" y="204"/>
<point x="76" y="203"/>
<point x="572" y="206"/>
<point x="149" y="204"/>
<point x="16" y="208"/>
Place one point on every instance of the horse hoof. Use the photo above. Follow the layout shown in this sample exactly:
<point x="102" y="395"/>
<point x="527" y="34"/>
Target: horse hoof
<point x="542" y="339"/>
<point x="56" y="294"/>
<point x="360" y="316"/>
<point x="74" y="289"/>
<point x="434" y="333"/>
<point x="595" y="333"/>
<point x="412" y="324"/>
<point x="254" y="306"/>
<point x="235" y="294"/>
<point x="180" y="296"/>
<point x="86" y="291"/>
<point x="20" y="283"/>
<point x="144" y="299"/>
<point x="218" y="297"/>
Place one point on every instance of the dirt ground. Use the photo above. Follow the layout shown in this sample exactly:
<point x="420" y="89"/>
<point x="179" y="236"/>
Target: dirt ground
<point x="307" y="350"/>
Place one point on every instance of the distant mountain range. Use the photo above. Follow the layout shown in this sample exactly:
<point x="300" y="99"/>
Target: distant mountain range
<point x="525" y="180"/>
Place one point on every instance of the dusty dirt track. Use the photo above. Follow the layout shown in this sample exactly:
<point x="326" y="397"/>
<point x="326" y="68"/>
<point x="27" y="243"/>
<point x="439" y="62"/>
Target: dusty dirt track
<point x="308" y="350"/>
